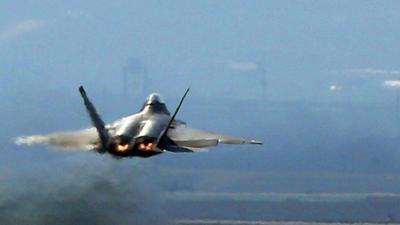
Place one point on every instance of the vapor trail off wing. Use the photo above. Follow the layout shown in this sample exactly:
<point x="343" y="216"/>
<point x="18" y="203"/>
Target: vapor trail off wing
<point x="86" y="139"/>
<point x="95" y="118"/>
<point x="197" y="140"/>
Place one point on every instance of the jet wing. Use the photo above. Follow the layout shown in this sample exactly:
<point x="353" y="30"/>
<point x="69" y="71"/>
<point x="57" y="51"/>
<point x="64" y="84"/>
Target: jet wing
<point x="86" y="139"/>
<point x="197" y="140"/>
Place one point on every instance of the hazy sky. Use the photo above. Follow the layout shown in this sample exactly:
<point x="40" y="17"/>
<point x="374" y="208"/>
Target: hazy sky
<point x="342" y="56"/>
<point x="301" y="47"/>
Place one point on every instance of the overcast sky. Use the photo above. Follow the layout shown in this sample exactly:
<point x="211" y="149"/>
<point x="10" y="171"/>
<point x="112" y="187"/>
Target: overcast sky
<point x="290" y="53"/>
<point x="300" y="48"/>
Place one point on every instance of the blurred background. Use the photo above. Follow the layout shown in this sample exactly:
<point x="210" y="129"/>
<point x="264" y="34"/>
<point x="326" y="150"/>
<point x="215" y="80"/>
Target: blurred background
<point x="317" y="81"/>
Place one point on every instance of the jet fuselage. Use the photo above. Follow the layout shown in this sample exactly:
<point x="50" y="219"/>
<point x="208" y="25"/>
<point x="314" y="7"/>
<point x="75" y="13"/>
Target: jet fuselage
<point x="139" y="134"/>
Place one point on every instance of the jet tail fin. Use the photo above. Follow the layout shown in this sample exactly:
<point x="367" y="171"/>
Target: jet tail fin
<point x="95" y="118"/>
<point x="163" y="136"/>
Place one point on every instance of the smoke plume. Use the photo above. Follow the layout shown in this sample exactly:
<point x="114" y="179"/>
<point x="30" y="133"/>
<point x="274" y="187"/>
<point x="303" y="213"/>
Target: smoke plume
<point x="110" y="192"/>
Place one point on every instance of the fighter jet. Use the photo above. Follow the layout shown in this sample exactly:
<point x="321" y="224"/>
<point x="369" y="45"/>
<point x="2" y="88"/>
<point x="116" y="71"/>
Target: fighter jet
<point x="151" y="131"/>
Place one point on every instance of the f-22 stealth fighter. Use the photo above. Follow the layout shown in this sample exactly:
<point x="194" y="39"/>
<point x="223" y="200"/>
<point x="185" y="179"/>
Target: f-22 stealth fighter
<point x="149" y="132"/>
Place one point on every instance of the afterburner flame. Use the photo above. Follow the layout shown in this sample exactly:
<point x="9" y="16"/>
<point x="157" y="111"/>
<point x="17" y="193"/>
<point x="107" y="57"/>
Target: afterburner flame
<point x="146" y="147"/>
<point x="122" y="148"/>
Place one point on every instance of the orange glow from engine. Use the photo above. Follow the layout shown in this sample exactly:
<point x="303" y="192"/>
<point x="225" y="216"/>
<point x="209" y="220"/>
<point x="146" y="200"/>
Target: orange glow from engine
<point x="122" y="148"/>
<point x="146" y="147"/>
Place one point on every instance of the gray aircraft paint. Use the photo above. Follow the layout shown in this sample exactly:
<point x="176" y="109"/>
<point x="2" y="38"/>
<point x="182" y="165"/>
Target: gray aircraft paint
<point x="151" y="131"/>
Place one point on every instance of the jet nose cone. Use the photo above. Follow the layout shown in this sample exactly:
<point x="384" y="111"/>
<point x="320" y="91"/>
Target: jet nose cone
<point x="154" y="98"/>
